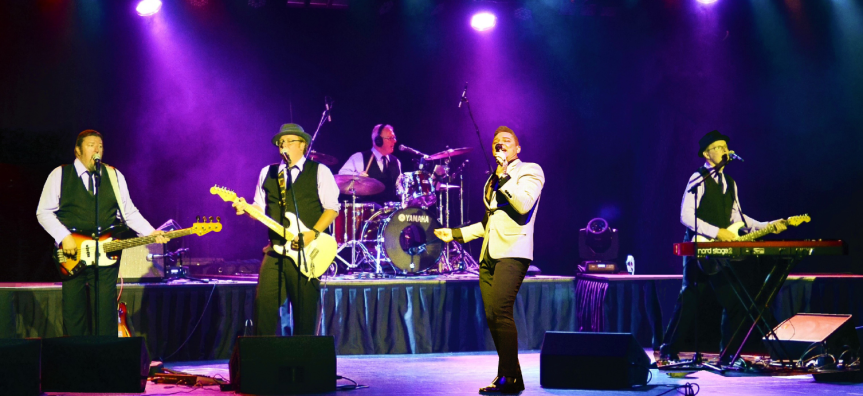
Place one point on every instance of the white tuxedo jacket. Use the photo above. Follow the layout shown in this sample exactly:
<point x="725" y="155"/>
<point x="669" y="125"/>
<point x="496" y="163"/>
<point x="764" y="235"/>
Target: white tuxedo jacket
<point x="507" y="228"/>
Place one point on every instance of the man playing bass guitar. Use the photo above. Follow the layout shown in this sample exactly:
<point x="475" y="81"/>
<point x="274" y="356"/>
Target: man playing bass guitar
<point x="68" y="203"/>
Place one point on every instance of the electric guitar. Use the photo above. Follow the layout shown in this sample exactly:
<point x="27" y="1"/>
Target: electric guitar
<point x="318" y="254"/>
<point x="122" y="327"/>
<point x="712" y="267"/>
<point x="735" y="229"/>
<point x="70" y="266"/>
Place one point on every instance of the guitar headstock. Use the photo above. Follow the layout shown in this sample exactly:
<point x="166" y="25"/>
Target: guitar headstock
<point x="798" y="220"/>
<point x="224" y="193"/>
<point x="207" y="226"/>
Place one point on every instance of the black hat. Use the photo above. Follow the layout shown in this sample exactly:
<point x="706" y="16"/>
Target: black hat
<point x="708" y="139"/>
<point x="291" y="129"/>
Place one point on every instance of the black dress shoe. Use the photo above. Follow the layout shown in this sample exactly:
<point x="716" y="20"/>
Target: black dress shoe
<point x="503" y="384"/>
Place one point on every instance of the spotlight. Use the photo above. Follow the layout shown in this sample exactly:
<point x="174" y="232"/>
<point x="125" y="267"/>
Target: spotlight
<point x="483" y="21"/>
<point x="706" y="1"/>
<point x="148" y="7"/>
<point x="597" y="247"/>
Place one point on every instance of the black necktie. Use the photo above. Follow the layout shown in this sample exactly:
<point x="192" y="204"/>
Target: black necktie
<point x="386" y="163"/>
<point x="721" y="184"/>
<point x="91" y="186"/>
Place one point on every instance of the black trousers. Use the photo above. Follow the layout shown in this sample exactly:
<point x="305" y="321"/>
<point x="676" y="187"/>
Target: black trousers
<point x="280" y="280"/>
<point x="499" y="281"/>
<point x="750" y="273"/>
<point x="76" y="302"/>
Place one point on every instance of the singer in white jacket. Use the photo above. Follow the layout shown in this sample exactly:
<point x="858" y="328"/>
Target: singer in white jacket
<point x="511" y="197"/>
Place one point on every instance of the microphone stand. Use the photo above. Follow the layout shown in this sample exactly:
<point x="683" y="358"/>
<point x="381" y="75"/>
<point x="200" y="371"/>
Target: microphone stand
<point x="97" y="182"/>
<point x="301" y="258"/>
<point x="476" y="127"/>
<point x="324" y="117"/>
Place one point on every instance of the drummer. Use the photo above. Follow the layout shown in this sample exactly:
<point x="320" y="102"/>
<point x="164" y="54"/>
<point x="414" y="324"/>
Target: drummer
<point x="385" y="168"/>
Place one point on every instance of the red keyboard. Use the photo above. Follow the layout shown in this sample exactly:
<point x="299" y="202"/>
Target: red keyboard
<point x="763" y="248"/>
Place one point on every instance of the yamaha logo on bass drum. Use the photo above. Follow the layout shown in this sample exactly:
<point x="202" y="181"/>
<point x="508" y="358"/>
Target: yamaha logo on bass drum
<point x="413" y="218"/>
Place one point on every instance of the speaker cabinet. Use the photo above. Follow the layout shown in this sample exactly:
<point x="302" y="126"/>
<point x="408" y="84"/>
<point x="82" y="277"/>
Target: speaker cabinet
<point x="19" y="366"/>
<point x="284" y="365"/>
<point x="824" y="333"/>
<point x="136" y="267"/>
<point x="571" y="360"/>
<point x="94" y="364"/>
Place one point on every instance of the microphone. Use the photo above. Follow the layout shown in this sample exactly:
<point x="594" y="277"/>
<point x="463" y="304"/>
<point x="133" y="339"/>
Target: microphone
<point x="97" y="158"/>
<point x="498" y="147"/>
<point x="151" y="257"/>
<point x="463" y="95"/>
<point x="733" y="155"/>
<point x="285" y="156"/>
<point x="410" y="150"/>
<point x="327" y="105"/>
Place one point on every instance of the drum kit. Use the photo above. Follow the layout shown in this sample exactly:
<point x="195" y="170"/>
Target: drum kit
<point x="398" y="237"/>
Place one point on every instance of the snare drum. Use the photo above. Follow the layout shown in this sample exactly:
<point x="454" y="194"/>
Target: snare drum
<point x="416" y="189"/>
<point x="404" y="238"/>
<point x="360" y="212"/>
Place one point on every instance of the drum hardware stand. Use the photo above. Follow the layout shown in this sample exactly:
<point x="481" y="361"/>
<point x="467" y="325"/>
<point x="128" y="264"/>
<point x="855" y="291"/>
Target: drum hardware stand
<point x="328" y="104"/>
<point x="354" y="242"/>
<point x="459" y="261"/>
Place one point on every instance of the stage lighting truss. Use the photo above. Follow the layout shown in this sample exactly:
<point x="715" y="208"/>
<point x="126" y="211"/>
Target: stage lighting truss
<point x="336" y="4"/>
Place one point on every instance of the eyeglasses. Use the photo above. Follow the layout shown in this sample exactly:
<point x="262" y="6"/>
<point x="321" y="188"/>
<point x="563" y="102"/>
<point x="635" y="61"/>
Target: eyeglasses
<point x="287" y="142"/>
<point x="720" y="148"/>
<point x="388" y="138"/>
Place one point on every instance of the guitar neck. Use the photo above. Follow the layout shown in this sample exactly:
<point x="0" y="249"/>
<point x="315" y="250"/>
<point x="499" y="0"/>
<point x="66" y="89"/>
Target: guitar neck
<point x="757" y="234"/>
<point x="121" y="244"/>
<point x="267" y="220"/>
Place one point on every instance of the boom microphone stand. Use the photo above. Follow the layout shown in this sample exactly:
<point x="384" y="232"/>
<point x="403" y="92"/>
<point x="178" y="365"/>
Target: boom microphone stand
<point x="97" y="235"/>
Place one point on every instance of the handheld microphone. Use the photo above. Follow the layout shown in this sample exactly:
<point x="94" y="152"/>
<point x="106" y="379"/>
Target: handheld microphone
<point x="285" y="156"/>
<point x="327" y="105"/>
<point x="733" y="155"/>
<point x="498" y="147"/>
<point x="411" y="150"/>
<point x="463" y="95"/>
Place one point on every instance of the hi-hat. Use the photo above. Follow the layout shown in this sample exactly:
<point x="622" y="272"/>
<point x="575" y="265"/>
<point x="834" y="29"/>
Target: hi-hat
<point x="449" y="153"/>
<point x="358" y="185"/>
<point x="325" y="159"/>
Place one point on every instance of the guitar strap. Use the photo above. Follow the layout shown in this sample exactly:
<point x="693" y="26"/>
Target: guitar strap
<point x="112" y="175"/>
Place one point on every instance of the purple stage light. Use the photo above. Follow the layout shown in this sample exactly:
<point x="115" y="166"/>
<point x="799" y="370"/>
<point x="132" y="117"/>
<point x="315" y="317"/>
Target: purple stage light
<point x="706" y="1"/>
<point x="148" y="7"/>
<point x="483" y="21"/>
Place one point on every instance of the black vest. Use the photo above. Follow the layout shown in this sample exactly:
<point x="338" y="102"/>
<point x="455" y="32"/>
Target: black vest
<point x="77" y="204"/>
<point x="715" y="207"/>
<point x="306" y="190"/>
<point x="388" y="177"/>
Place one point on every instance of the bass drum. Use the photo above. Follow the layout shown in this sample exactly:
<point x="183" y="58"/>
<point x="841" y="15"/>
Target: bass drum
<point x="404" y="238"/>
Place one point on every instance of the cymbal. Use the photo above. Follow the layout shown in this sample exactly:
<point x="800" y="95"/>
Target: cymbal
<point x="325" y="159"/>
<point x="449" y="153"/>
<point x="362" y="185"/>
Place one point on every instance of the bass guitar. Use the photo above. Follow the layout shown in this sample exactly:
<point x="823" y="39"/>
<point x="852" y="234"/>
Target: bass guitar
<point x="318" y="254"/>
<point x="70" y="266"/>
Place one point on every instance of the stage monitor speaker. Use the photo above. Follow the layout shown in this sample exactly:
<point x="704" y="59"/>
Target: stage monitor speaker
<point x="94" y="364"/>
<point x="284" y="365"/>
<point x="592" y="361"/>
<point x="824" y="333"/>
<point x="19" y="366"/>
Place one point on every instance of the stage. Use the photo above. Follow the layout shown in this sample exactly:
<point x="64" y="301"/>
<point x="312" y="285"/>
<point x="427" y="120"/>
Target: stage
<point x="190" y="321"/>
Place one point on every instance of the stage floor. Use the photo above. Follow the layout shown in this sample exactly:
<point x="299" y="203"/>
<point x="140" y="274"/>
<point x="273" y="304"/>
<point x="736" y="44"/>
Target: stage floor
<point x="463" y="374"/>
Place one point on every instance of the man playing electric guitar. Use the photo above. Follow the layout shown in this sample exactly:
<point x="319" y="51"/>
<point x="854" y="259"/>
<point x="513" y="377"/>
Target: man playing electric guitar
<point x="316" y="193"/>
<point x="718" y="208"/>
<point x="68" y="203"/>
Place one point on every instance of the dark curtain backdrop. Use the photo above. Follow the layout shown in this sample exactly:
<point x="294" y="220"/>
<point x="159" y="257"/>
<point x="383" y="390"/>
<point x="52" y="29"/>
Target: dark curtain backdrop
<point x="609" y="97"/>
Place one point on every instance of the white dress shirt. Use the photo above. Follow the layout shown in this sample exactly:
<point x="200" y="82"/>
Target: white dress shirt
<point x="328" y="190"/>
<point x="49" y="203"/>
<point x="355" y="164"/>
<point x="687" y="207"/>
